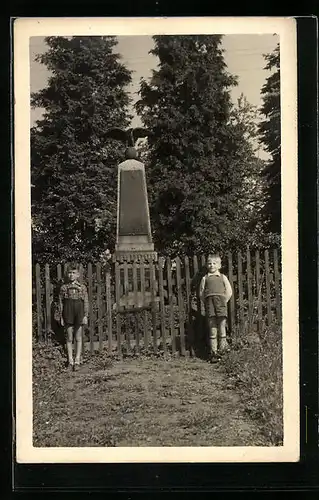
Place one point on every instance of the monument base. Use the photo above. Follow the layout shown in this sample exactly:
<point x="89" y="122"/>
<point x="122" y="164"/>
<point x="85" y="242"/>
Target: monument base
<point x="134" y="255"/>
<point x="135" y="247"/>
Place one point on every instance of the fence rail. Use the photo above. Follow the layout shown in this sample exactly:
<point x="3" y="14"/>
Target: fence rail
<point x="137" y="304"/>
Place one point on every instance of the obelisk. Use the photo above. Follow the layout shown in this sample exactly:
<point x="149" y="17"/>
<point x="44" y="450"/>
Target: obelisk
<point x="133" y="234"/>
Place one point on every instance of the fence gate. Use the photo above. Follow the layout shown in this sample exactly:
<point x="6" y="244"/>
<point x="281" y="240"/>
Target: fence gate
<point x="136" y="305"/>
<point x="153" y="305"/>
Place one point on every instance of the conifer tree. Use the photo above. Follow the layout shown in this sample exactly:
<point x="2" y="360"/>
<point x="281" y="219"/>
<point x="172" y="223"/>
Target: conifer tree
<point x="73" y="166"/>
<point x="198" y="158"/>
<point x="271" y="137"/>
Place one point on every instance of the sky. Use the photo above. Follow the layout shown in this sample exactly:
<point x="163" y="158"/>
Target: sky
<point x="243" y="56"/>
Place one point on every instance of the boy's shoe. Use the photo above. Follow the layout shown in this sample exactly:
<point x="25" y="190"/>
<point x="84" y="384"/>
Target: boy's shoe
<point x="76" y="367"/>
<point x="223" y="346"/>
<point x="224" y="351"/>
<point x="214" y="358"/>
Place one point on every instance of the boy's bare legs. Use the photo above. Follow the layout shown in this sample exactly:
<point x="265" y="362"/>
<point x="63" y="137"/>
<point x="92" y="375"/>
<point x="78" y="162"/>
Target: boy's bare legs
<point x="69" y="344"/>
<point x="223" y="344"/>
<point x="213" y="335"/>
<point x="78" y="345"/>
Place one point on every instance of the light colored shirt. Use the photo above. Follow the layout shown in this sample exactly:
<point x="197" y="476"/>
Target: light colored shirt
<point x="228" y="289"/>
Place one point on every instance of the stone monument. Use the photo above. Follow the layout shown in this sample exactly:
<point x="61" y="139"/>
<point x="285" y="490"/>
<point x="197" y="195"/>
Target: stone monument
<point x="133" y="234"/>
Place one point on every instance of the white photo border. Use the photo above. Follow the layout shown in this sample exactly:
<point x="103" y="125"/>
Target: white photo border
<point x="23" y="30"/>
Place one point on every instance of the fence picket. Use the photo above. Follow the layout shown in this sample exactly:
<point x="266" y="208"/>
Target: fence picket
<point x="232" y="299"/>
<point x="126" y="304"/>
<point x="198" y="301"/>
<point x="38" y="300"/>
<point x="258" y="290"/>
<point x="195" y="264"/>
<point x="59" y="272"/>
<point x="81" y="273"/>
<point x="240" y="291"/>
<point x="277" y="285"/>
<point x="65" y="270"/>
<point x="108" y="309"/>
<point x="125" y="284"/>
<point x="188" y="304"/>
<point x="135" y="283"/>
<point x="203" y="260"/>
<point x="153" y="304"/>
<point x="47" y="301"/>
<point x="162" y="305"/>
<point x="91" y="318"/>
<point x="187" y="284"/>
<point x="99" y="305"/>
<point x="135" y="293"/>
<point x="145" y="329"/>
<point x="249" y="290"/>
<point x="268" y="299"/>
<point x="81" y="281"/>
<point x="170" y="303"/>
<point x="180" y="306"/>
<point x="117" y="299"/>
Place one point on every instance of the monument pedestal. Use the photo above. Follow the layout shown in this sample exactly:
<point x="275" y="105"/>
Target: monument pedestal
<point x="133" y="238"/>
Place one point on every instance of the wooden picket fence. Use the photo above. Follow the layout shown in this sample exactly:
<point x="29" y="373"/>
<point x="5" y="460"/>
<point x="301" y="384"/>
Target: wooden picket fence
<point x="156" y="305"/>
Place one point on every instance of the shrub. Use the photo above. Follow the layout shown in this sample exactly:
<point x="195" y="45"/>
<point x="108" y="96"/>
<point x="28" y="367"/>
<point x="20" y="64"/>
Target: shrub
<point x="255" y="368"/>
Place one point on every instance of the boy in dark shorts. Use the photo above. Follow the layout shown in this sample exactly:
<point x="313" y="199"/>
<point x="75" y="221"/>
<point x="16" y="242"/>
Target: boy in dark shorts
<point x="215" y="291"/>
<point x="74" y="305"/>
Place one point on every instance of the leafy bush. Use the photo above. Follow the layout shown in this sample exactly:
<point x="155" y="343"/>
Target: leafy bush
<point x="255" y="369"/>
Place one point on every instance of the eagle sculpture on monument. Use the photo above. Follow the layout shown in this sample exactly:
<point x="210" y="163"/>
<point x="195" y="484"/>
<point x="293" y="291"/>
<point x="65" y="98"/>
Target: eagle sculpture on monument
<point x="129" y="136"/>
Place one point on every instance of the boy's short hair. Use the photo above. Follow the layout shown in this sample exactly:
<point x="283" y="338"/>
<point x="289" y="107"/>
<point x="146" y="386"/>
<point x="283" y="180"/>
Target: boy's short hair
<point x="214" y="256"/>
<point x="74" y="266"/>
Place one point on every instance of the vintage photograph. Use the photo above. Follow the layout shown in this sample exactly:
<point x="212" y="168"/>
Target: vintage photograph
<point x="158" y="262"/>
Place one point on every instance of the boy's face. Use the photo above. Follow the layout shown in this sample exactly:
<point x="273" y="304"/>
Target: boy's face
<point x="213" y="265"/>
<point x="73" y="274"/>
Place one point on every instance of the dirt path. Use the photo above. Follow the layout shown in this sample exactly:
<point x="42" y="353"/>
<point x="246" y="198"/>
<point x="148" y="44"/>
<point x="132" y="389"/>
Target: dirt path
<point x="147" y="402"/>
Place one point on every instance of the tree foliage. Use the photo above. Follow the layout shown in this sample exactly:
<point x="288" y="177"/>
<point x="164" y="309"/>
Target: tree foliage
<point x="73" y="166"/>
<point x="199" y="157"/>
<point x="271" y="138"/>
<point x="244" y="117"/>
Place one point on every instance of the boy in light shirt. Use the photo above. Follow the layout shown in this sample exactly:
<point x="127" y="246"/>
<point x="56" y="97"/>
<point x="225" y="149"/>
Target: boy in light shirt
<point x="215" y="292"/>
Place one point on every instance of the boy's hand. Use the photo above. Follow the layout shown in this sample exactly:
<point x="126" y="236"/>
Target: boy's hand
<point x="62" y="321"/>
<point x="85" y="320"/>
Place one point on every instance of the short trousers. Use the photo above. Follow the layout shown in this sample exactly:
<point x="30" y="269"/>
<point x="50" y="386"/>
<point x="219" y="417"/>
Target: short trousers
<point x="73" y="312"/>
<point x="216" y="305"/>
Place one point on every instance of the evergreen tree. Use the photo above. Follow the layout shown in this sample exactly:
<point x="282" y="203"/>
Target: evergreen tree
<point x="198" y="157"/>
<point x="244" y="117"/>
<point x="73" y="167"/>
<point x="270" y="136"/>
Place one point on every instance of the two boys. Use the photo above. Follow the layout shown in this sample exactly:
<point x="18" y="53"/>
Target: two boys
<point x="215" y="292"/>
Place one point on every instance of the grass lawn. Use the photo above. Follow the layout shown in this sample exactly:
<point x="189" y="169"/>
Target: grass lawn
<point x="144" y="401"/>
